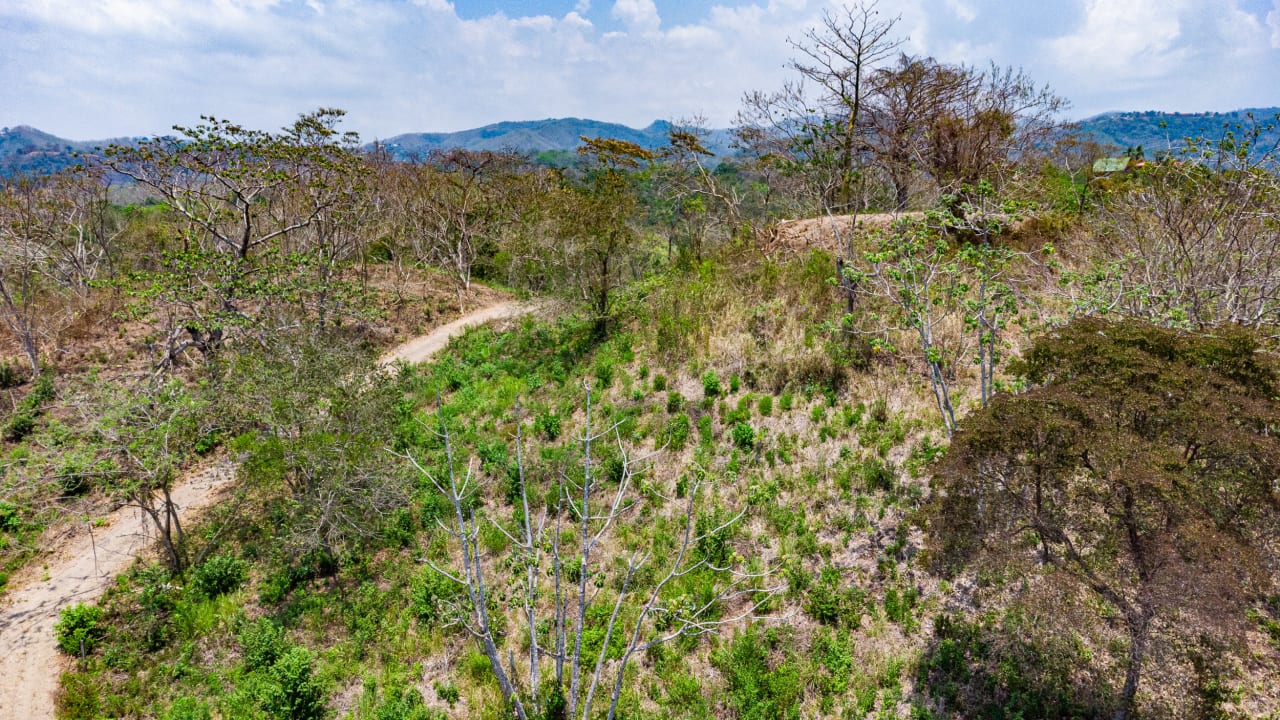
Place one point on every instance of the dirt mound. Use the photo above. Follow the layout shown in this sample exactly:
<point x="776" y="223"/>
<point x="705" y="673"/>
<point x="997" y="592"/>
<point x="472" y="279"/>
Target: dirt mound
<point x="830" y="233"/>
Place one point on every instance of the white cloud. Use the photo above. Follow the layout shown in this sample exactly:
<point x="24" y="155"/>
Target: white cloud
<point x="123" y="67"/>
<point x="962" y="10"/>
<point x="638" y="15"/>
<point x="1273" y="19"/>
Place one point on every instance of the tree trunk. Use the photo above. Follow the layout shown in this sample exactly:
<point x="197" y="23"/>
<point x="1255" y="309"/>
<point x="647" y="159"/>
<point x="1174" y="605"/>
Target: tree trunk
<point x="1138" y="630"/>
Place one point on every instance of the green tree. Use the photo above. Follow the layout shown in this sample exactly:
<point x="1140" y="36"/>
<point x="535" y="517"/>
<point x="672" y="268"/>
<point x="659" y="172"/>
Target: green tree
<point x="261" y="229"/>
<point x="1139" y="469"/>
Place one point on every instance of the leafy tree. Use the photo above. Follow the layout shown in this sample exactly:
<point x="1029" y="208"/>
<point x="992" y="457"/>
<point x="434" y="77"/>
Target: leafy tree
<point x="262" y="224"/>
<point x="1139" y="469"/>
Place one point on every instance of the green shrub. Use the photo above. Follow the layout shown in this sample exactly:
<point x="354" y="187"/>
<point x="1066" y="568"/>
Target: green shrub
<point x="786" y="402"/>
<point x="548" y="425"/>
<point x="21" y="424"/>
<point x="675" y="401"/>
<point x="832" y="605"/>
<point x="406" y="704"/>
<point x="295" y="693"/>
<point x="219" y="575"/>
<point x="79" y="697"/>
<point x="759" y="689"/>
<point x="676" y="433"/>
<point x="604" y="373"/>
<point x="765" y="405"/>
<point x="710" y="384"/>
<point x="77" y="625"/>
<point x="188" y="708"/>
<point x="428" y="594"/>
<point x="447" y="692"/>
<point x="10" y="521"/>
<point x="735" y="383"/>
<point x="261" y="643"/>
<point x="744" y="436"/>
<point x="877" y="475"/>
<point x="705" y="433"/>
<point x="11" y="375"/>
<point x="659" y="383"/>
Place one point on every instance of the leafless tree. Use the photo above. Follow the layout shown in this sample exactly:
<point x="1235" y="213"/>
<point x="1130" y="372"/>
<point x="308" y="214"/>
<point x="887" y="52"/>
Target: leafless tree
<point x="595" y="509"/>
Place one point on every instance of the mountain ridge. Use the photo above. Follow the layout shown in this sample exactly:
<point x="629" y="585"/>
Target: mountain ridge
<point x="26" y="149"/>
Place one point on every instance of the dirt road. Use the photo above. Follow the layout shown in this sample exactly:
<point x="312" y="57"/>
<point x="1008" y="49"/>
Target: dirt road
<point x="82" y="568"/>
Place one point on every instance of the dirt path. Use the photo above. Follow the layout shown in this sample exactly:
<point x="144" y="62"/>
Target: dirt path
<point x="82" y="568"/>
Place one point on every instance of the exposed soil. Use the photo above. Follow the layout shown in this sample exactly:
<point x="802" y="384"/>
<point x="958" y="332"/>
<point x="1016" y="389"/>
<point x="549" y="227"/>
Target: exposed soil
<point x="83" y="564"/>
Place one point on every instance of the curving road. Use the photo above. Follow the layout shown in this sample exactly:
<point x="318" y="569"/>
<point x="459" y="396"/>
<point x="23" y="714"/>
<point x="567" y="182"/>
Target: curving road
<point x="82" y="567"/>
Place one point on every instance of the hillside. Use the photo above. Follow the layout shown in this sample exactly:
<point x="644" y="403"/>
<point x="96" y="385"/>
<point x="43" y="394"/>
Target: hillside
<point x="26" y="150"/>
<point x="1158" y="131"/>
<point x="538" y="136"/>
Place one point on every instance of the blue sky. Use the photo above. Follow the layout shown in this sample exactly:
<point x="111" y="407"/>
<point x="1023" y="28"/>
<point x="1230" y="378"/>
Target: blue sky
<point x="88" y="69"/>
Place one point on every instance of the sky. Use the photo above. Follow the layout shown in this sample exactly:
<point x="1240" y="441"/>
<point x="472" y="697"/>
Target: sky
<point x="93" y="69"/>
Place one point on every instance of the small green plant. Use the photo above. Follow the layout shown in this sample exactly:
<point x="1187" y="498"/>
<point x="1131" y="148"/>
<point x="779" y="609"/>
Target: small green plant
<point x="10" y="520"/>
<point x="262" y="642"/>
<point x="711" y="384"/>
<point x="675" y="401"/>
<point x="765" y="405"/>
<point x="428" y="594"/>
<point x="744" y="436"/>
<point x="735" y="383"/>
<point x="659" y="382"/>
<point x="219" y="575"/>
<point x="78" y="628"/>
<point x="447" y="692"/>
<point x="676" y="433"/>
<point x="548" y="426"/>
<point x="786" y="402"/>
<point x="188" y="708"/>
<point x="296" y="694"/>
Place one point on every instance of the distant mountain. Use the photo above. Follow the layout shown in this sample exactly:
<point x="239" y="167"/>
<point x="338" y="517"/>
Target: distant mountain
<point x="26" y="150"/>
<point x="1156" y="131"/>
<point x="541" y="136"/>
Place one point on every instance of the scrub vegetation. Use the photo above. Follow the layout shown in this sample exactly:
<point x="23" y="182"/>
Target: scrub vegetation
<point x="989" y="435"/>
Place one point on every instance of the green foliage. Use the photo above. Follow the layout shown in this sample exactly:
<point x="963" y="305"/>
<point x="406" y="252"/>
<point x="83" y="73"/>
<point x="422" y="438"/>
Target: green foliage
<point x="786" y="401"/>
<point x="992" y="667"/>
<point x="429" y="593"/>
<point x="188" y="708"/>
<point x="744" y="436"/>
<point x="23" y="421"/>
<point x="548" y="426"/>
<point x="78" y="626"/>
<point x="295" y="693"/>
<point x="830" y="604"/>
<point x="758" y="688"/>
<point x="765" y="405"/>
<point x="676" y="432"/>
<point x="262" y="642"/>
<point x="710" y="384"/>
<point x="10" y="518"/>
<point x="675" y="401"/>
<point x="219" y="575"/>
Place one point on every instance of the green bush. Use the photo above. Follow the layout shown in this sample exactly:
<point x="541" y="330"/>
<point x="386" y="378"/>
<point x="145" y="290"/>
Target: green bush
<point x="659" y="383"/>
<point x="21" y="424"/>
<point x="765" y="405"/>
<point x="428" y="593"/>
<point x="188" y="708"/>
<point x="11" y="375"/>
<point x="78" y="624"/>
<point x="676" y="433"/>
<point x="10" y="521"/>
<point x="675" y="401"/>
<point x="759" y="689"/>
<point x="261" y="643"/>
<point x="744" y="436"/>
<point x="295" y="693"/>
<point x="548" y="426"/>
<point x="735" y="383"/>
<point x="786" y="402"/>
<point x="710" y="384"/>
<point x="219" y="575"/>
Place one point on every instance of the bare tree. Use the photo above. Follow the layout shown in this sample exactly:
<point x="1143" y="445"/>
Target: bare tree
<point x="595" y="509"/>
